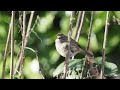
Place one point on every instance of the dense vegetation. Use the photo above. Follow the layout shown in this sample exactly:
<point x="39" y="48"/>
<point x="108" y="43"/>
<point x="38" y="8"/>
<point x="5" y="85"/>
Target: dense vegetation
<point x="42" y="40"/>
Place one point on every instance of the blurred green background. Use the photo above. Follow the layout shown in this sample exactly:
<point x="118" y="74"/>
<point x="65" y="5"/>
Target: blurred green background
<point x="51" y="23"/>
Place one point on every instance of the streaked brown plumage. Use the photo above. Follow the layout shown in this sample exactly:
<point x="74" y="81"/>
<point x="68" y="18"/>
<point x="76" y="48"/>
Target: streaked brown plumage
<point x="61" y="44"/>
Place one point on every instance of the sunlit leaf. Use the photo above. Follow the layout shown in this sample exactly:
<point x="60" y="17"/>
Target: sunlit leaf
<point x="72" y="64"/>
<point x="110" y="68"/>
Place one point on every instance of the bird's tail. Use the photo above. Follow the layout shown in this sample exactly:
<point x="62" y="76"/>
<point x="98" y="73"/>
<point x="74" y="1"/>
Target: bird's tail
<point x="85" y="53"/>
<point x="88" y="53"/>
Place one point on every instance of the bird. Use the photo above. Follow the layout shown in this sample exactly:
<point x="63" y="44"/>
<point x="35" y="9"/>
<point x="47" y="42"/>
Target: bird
<point x="61" y="44"/>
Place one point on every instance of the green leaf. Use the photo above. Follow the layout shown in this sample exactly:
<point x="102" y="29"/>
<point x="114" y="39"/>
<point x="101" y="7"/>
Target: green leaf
<point x="75" y="63"/>
<point x="110" y="68"/>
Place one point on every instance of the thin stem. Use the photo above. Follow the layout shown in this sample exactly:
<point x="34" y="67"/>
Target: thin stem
<point x="12" y="46"/>
<point x="80" y="28"/>
<point x="90" y="31"/>
<point x="78" y="23"/>
<point x="81" y="74"/>
<point x="32" y="29"/>
<point x="69" y="48"/>
<point x="22" y="48"/>
<point x="77" y="35"/>
<point x="88" y="45"/>
<point x="104" y="45"/>
<point x="23" y="44"/>
<point x="30" y="22"/>
<point x="20" y="20"/>
<point x="36" y="22"/>
<point x="6" y="50"/>
<point x="24" y="40"/>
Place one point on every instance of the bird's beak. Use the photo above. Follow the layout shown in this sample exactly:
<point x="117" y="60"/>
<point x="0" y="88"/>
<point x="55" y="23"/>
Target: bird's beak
<point x="58" y="37"/>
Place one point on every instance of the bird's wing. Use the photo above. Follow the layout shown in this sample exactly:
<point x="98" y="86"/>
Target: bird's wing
<point x="73" y="42"/>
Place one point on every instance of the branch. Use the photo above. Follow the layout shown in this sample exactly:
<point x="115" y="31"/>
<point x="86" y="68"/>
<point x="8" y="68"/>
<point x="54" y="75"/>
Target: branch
<point x="69" y="45"/>
<point x="88" y="45"/>
<point x="36" y="22"/>
<point x="90" y="31"/>
<point x="12" y="45"/>
<point x="32" y="29"/>
<point x="22" y="48"/>
<point x="20" y="20"/>
<point x="80" y="28"/>
<point x="23" y="44"/>
<point x="24" y="40"/>
<point x="78" y="23"/>
<point x="6" y="49"/>
<point x="29" y="24"/>
<point x="104" y="45"/>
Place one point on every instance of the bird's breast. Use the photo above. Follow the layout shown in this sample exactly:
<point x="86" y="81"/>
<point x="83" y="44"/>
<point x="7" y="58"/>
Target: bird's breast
<point x="60" y="47"/>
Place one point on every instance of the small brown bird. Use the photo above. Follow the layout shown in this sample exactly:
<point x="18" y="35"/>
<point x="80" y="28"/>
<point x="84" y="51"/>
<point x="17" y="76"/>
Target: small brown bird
<point x="61" y="44"/>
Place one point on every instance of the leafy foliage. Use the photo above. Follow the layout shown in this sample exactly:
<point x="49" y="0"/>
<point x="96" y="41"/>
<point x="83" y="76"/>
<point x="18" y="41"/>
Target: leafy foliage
<point x="51" y="23"/>
<point x="76" y="65"/>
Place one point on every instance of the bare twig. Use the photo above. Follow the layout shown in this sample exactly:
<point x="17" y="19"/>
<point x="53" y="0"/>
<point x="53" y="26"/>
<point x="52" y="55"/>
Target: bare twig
<point x="80" y="28"/>
<point x="88" y="45"/>
<point x="29" y="24"/>
<point x="90" y="31"/>
<point x="81" y="74"/>
<point x="36" y="21"/>
<point x="12" y="45"/>
<point x="21" y="56"/>
<point x="20" y="20"/>
<point x="78" y="23"/>
<point x="104" y="45"/>
<point x="21" y="30"/>
<point x="24" y="40"/>
<point x="40" y="70"/>
<point x="32" y="29"/>
<point x="69" y="45"/>
<point x="23" y="44"/>
<point x="6" y="49"/>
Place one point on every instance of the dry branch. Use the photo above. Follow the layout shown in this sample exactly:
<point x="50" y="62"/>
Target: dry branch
<point x="6" y="49"/>
<point x="104" y="45"/>
<point x="69" y="40"/>
<point x="88" y="45"/>
<point x="25" y="35"/>
<point x="78" y="23"/>
<point x="77" y="36"/>
<point x="12" y="46"/>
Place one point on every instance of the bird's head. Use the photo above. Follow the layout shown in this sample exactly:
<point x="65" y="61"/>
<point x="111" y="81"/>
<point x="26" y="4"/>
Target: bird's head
<point x="60" y="35"/>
